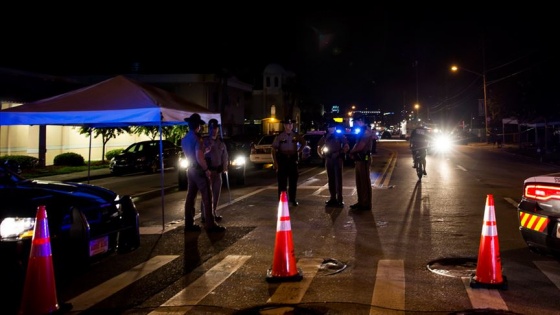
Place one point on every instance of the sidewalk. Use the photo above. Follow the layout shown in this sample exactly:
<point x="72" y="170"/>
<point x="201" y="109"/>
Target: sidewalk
<point x="82" y="176"/>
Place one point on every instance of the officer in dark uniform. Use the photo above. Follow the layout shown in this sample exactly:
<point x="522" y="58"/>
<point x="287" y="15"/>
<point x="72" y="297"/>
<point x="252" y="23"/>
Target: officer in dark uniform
<point x="332" y="147"/>
<point x="286" y="149"/>
<point x="361" y="154"/>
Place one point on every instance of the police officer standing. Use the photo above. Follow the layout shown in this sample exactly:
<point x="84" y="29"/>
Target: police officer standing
<point x="217" y="158"/>
<point x="361" y="154"/>
<point x="198" y="177"/>
<point x="286" y="148"/>
<point x="332" y="147"/>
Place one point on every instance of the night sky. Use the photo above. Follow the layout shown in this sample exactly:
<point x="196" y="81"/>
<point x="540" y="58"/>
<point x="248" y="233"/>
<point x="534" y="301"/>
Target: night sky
<point x="377" y="57"/>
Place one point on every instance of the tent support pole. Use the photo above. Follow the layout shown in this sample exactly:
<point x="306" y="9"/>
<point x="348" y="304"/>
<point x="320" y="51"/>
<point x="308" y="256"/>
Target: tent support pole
<point x="89" y="157"/>
<point x="161" y="178"/>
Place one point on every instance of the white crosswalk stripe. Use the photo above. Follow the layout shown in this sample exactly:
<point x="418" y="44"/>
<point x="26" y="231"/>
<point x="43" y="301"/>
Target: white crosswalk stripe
<point x="95" y="295"/>
<point x="388" y="294"/>
<point x="183" y="301"/>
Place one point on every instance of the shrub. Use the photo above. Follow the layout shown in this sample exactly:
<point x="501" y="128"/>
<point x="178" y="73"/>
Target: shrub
<point x="111" y="154"/>
<point x="24" y="161"/>
<point x="69" y="159"/>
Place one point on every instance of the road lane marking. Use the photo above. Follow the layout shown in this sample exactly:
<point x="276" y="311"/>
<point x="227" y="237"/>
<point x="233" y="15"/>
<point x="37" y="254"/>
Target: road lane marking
<point x="190" y="296"/>
<point x="293" y="292"/>
<point x="484" y="298"/>
<point x="384" y="178"/>
<point x="389" y="291"/>
<point x="551" y="269"/>
<point x="95" y="295"/>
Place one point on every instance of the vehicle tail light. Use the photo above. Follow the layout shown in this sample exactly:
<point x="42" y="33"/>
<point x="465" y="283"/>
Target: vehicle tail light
<point x="542" y="192"/>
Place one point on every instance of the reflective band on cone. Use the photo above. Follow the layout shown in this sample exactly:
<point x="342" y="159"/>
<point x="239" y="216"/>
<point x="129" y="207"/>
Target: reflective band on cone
<point x="284" y="261"/>
<point x="489" y="266"/>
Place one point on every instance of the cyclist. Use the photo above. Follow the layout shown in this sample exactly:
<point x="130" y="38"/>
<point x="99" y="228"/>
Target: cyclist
<point x="419" y="140"/>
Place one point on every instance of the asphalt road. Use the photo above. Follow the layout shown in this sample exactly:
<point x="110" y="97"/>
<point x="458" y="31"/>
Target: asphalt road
<point x="387" y="261"/>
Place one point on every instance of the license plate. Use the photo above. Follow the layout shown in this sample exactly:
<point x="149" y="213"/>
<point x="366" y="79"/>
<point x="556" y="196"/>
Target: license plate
<point x="98" y="246"/>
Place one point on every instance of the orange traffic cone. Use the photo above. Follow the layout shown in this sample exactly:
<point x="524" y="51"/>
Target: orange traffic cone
<point x="284" y="260"/>
<point x="489" y="266"/>
<point x="39" y="291"/>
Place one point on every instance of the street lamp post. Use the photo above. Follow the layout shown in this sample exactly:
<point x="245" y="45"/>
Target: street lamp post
<point x="483" y="75"/>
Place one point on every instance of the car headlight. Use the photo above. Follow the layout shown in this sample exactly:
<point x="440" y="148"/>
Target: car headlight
<point x="183" y="163"/>
<point x="239" y="161"/>
<point x="17" y="228"/>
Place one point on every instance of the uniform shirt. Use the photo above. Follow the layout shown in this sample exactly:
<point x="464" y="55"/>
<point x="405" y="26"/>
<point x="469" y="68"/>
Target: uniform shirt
<point x="288" y="143"/>
<point x="216" y="152"/>
<point x="363" y="143"/>
<point x="335" y="144"/>
<point x="190" y="144"/>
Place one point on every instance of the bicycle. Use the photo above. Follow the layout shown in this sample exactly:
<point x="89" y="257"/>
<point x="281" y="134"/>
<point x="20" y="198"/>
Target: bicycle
<point x="420" y="162"/>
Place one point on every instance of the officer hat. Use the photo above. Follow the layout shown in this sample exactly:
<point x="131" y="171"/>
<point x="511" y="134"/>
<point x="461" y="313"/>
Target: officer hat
<point x="213" y="123"/>
<point x="288" y="121"/>
<point x="195" y="120"/>
<point x="332" y="123"/>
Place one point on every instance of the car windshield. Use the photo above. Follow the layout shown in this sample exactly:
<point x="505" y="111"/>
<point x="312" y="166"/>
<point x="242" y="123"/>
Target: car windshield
<point x="266" y="140"/>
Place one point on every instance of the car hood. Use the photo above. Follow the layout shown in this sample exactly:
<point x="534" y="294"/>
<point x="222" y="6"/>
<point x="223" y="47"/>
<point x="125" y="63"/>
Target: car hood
<point x="71" y="189"/>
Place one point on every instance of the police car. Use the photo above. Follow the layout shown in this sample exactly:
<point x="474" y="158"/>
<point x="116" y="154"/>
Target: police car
<point x="539" y="213"/>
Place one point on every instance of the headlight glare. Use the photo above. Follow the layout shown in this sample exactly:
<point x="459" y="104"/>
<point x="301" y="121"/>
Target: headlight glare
<point x="17" y="227"/>
<point x="239" y="160"/>
<point x="183" y="163"/>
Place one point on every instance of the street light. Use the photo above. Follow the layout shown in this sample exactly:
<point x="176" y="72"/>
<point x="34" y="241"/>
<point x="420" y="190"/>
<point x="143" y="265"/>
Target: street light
<point x="483" y="75"/>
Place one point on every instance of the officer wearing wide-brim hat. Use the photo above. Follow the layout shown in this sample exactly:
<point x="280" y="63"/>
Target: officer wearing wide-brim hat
<point x="332" y="147"/>
<point x="198" y="176"/>
<point x="361" y="154"/>
<point x="286" y="149"/>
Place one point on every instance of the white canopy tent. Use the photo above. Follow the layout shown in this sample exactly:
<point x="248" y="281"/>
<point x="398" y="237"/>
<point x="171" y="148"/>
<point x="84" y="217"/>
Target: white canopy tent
<point x="116" y="102"/>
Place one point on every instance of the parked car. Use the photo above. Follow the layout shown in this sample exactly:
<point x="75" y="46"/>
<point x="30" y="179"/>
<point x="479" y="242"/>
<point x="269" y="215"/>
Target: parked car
<point x="386" y="135"/>
<point x="539" y="214"/>
<point x="85" y="223"/>
<point x="261" y="152"/>
<point x="144" y="157"/>
<point x="243" y="142"/>
<point x="236" y="170"/>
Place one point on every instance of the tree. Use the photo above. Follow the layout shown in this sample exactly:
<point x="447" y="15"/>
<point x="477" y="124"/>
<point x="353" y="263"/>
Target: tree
<point x="172" y="133"/>
<point x="175" y="133"/>
<point x="151" y="131"/>
<point x="105" y="133"/>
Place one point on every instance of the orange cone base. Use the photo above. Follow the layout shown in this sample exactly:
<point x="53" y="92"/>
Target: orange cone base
<point x="274" y="279"/>
<point x="480" y="285"/>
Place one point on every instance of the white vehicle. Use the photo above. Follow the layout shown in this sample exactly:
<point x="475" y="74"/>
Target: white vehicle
<point x="261" y="152"/>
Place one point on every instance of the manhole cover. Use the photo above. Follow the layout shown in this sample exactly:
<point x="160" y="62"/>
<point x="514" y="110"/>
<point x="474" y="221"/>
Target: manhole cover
<point x="453" y="267"/>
